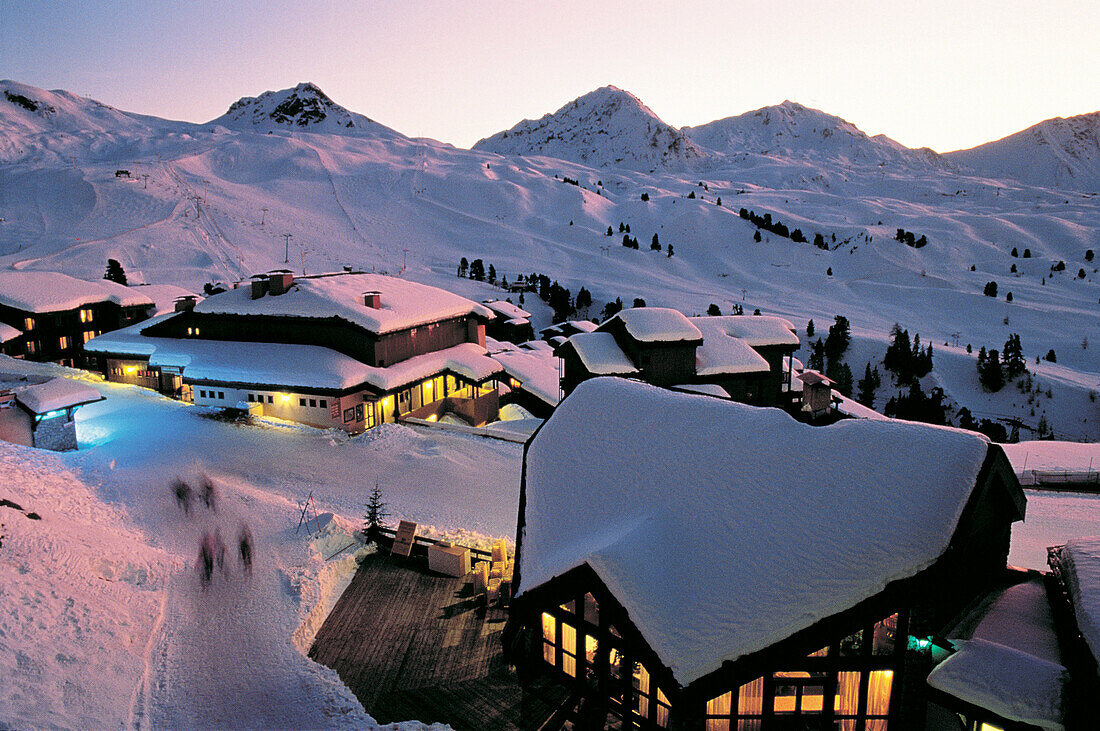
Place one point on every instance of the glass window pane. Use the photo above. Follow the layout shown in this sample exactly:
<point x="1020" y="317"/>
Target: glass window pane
<point x="569" y="607"/>
<point x="569" y="638"/>
<point x="591" y="609"/>
<point x="852" y="645"/>
<point x="878" y="693"/>
<point x="663" y="713"/>
<point x="820" y="653"/>
<point x="641" y="678"/>
<point x="813" y="698"/>
<point x="720" y="706"/>
<point x="548" y="627"/>
<point x="785" y="699"/>
<point x="749" y="724"/>
<point x="548" y="652"/>
<point x="590" y="647"/>
<point x="847" y="694"/>
<point x="750" y="698"/>
<point x="884" y="634"/>
<point x="718" y="724"/>
<point x="569" y="665"/>
<point x="875" y="724"/>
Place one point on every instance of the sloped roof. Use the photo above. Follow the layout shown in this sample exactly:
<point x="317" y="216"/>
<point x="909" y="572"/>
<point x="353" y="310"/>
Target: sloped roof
<point x="34" y="291"/>
<point x="722" y="353"/>
<point x="290" y="365"/>
<point x="7" y="332"/>
<point x="56" y="393"/>
<point x="536" y="370"/>
<point x="757" y="536"/>
<point x="507" y="309"/>
<point x="757" y="330"/>
<point x="600" y="354"/>
<point x="656" y="325"/>
<point x="405" y="304"/>
<point x="1080" y="570"/>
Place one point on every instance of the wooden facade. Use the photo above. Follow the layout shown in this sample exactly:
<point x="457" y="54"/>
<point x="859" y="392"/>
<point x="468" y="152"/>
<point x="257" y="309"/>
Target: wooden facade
<point x="59" y="335"/>
<point x="860" y="669"/>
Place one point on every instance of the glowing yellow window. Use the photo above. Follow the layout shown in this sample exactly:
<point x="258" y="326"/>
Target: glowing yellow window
<point x="85" y="315"/>
<point x="88" y="335"/>
<point x="28" y="323"/>
<point x="63" y="341"/>
<point x="569" y="649"/>
<point x="548" y="637"/>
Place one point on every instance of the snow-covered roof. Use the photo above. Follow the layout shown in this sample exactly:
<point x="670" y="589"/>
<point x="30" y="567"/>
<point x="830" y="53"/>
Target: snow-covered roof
<point x="708" y="389"/>
<point x="811" y="378"/>
<point x="33" y="291"/>
<point x="536" y="370"/>
<point x="56" y="393"/>
<point x="517" y="321"/>
<point x="291" y="365"/>
<point x="405" y="304"/>
<point x="507" y="309"/>
<point x="757" y="330"/>
<point x="1007" y="659"/>
<point x="850" y="407"/>
<point x="1013" y="684"/>
<point x="584" y="326"/>
<point x="164" y="296"/>
<point x="1080" y="564"/>
<point x="823" y="534"/>
<point x="7" y="332"/>
<point x="656" y="324"/>
<point x="600" y="354"/>
<point x="722" y="353"/>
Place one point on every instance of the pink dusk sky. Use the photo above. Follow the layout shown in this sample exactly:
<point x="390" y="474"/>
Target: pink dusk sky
<point x="946" y="75"/>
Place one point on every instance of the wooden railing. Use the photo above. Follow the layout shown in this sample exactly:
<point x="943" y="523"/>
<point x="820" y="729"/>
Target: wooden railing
<point x="384" y="538"/>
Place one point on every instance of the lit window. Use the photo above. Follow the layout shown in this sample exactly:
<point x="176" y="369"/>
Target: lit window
<point x="32" y="346"/>
<point x="548" y="637"/>
<point x="88" y="335"/>
<point x="85" y="315"/>
<point x="64" y="342"/>
<point x="28" y="323"/>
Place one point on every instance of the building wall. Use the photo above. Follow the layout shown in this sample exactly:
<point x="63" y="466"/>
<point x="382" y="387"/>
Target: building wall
<point x="16" y="426"/>
<point x="59" y="336"/>
<point x="133" y="371"/>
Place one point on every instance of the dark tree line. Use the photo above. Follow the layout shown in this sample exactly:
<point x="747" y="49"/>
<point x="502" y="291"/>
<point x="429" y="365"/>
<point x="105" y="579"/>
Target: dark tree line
<point x="909" y="239"/>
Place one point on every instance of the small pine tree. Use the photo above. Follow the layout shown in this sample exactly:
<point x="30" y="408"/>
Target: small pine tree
<point x="669" y="252"/>
<point x="714" y="310"/>
<point x="1090" y="255"/>
<point x="719" y="201"/>
<point x="114" y="272"/>
<point x="829" y="272"/>
<point x="817" y="355"/>
<point x="610" y="232"/>
<point x="463" y="267"/>
<point x="1027" y="253"/>
<point x="810" y="329"/>
<point x="492" y="274"/>
<point x="376" y="514"/>
<point x="691" y="194"/>
<point x="1015" y="253"/>
<point x="638" y="302"/>
<point x="645" y="197"/>
<point x="990" y="289"/>
<point x="1051" y="356"/>
<point x="1008" y="297"/>
<point x="756" y="236"/>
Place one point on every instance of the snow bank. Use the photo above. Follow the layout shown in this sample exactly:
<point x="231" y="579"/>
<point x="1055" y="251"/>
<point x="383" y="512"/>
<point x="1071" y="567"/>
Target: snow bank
<point x="762" y="525"/>
<point x="1081" y="561"/>
<point x="81" y="594"/>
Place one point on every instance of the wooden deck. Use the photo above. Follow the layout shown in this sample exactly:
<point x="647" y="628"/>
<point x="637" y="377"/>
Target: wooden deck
<point x="413" y="645"/>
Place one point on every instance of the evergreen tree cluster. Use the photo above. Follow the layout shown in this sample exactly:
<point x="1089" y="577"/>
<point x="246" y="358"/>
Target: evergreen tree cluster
<point x="115" y="272"/>
<point x="868" y="385"/>
<point x="909" y="239"/>
<point x="918" y="406"/>
<point x="780" y="229"/>
<point x="996" y="368"/>
<point x="907" y="361"/>
<point x="827" y="355"/>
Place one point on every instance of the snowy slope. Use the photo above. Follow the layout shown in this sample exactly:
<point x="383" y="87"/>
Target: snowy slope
<point x="217" y="203"/>
<point x="794" y="131"/>
<point x="1055" y="153"/>
<point x="605" y="128"/>
<point x="305" y="108"/>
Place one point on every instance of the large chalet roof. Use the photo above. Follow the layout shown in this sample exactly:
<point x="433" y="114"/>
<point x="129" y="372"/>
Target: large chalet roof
<point x="405" y="304"/>
<point x="656" y="325"/>
<point x="759" y="331"/>
<point x="724" y="528"/>
<point x="722" y="353"/>
<point x="286" y="365"/>
<point x="38" y="292"/>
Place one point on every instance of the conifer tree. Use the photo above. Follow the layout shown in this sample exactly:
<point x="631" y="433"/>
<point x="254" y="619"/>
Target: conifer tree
<point x="756" y="236"/>
<point x="714" y="310"/>
<point x="810" y="328"/>
<point x="114" y="272"/>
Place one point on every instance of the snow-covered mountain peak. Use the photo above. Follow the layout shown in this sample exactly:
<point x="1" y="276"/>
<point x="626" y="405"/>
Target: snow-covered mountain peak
<point x="608" y="127"/>
<point x="792" y="130"/>
<point x="304" y="108"/>
<point x="1060" y="152"/>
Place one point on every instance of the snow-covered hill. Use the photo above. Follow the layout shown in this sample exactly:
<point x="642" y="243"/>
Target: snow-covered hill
<point x="606" y="128"/>
<point x="1056" y="153"/>
<point x="793" y="131"/>
<point x="305" y="108"/>
<point x="206" y="202"/>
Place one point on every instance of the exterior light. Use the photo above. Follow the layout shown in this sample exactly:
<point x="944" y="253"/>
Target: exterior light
<point x="285" y="398"/>
<point x="130" y="370"/>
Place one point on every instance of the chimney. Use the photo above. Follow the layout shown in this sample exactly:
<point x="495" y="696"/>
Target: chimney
<point x="373" y="300"/>
<point x="279" y="282"/>
<point x="259" y="286"/>
<point x="185" y="303"/>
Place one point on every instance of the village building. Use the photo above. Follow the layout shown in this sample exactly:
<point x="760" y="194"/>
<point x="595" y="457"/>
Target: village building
<point x="55" y="314"/>
<point x="511" y="324"/>
<point x="560" y="332"/>
<point x="745" y="358"/>
<point x="346" y="350"/>
<point x="1026" y="656"/>
<point x="532" y="376"/>
<point x="39" y="412"/>
<point x="703" y="564"/>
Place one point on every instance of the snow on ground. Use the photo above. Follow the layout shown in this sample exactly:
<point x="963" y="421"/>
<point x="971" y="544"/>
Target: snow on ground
<point x="230" y="655"/>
